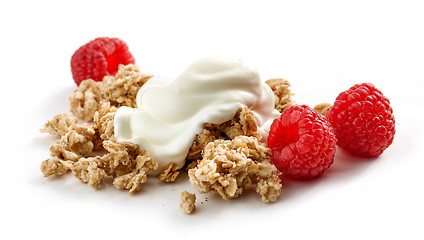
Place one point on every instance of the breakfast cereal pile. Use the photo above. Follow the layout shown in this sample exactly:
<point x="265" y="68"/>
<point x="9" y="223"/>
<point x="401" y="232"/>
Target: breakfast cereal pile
<point x="225" y="158"/>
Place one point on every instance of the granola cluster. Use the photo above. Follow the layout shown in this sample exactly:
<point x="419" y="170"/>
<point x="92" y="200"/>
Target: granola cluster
<point x="89" y="150"/>
<point x="119" y="90"/>
<point x="243" y="124"/>
<point x="229" y="157"/>
<point x="322" y="108"/>
<point x="229" y="167"/>
<point x="75" y="152"/>
<point x="282" y="93"/>
<point x="187" y="203"/>
<point x="225" y="158"/>
<point x="59" y="125"/>
<point x="170" y="173"/>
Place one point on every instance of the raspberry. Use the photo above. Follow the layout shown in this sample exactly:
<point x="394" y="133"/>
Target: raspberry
<point x="303" y="142"/>
<point x="99" y="58"/>
<point x="362" y="120"/>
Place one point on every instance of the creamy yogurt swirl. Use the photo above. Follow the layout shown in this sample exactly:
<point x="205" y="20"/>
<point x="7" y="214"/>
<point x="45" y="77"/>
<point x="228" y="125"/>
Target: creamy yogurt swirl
<point x="170" y="113"/>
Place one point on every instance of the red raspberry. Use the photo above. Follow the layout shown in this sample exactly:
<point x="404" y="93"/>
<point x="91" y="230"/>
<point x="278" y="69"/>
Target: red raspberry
<point x="303" y="142"/>
<point x="362" y="120"/>
<point x="99" y="58"/>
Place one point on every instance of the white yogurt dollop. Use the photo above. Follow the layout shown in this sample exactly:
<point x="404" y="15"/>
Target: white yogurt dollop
<point x="170" y="113"/>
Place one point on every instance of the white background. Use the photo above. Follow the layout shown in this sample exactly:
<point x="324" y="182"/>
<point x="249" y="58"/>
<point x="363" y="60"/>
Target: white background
<point x="321" y="47"/>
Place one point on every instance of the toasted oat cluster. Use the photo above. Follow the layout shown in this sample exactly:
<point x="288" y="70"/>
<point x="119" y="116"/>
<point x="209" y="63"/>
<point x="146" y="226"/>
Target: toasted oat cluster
<point x="125" y="162"/>
<point x="89" y="150"/>
<point x="87" y="99"/>
<point x="229" y="157"/>
<point x="59" y="125"/>
<point x="228" y="167"/>
<point x="119" y="90"/>
<point x="225" y="158"/>
<point x="170" y="173"/>
<point x="322" y="108"/>
<point x="103" y="119"/>
<point x="187" y="203"/>
<point x="282" y="93"/>
<point x="243" y="124"/>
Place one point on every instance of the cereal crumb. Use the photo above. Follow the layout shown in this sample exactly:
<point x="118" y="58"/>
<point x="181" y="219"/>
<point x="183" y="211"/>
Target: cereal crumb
<point x="322" y="108"/>
<point x="187" y="204"/>
<point x="55" y="166"/>
<point x="131" y="181"/>
<point x="208" y="134"/>
<point x="269" y="188"/>
<point x="88" y="170"/>
<point x="86" y="100"/>
<point x="77" y="142"/>
<point x="103" y="119"/>
<point x="60" y="151"/>
<point x="121" y="89"/>
<point x="170" y="173"/>
<point x="59" y="125"/>
<point x="144" y="164"/>
<point x="243" y="124"/>
<point x="282" y="93"/>
<point x="120" y="159"/>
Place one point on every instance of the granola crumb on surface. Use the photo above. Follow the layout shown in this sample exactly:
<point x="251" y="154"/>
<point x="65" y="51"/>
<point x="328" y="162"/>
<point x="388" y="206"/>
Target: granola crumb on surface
<point x="208" y="134"/>
<point x="78" y="142"/>
<point x="103" y="119"/>
<point x="170" y="173"/>
<point x="55" y="166"/>
<point x="188" y="202"/>
<point x="59" y="125"/>
<point x="269" y="188"/>
<point x="322" y="108"/>
<point x="88" y="170"/>
<point x="131" y="181"/>
<point x="243" y="124"/>
<point x="121" y="89"/>
<point x="144" y="164"/>
<point x="282" y="93"/>
<point x="85" y="101"/>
